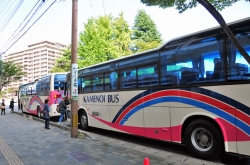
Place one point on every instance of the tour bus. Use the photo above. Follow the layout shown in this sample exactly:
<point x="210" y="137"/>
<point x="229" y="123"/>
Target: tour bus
<point x="193" y="90"/>
<point x="32" y="95"/>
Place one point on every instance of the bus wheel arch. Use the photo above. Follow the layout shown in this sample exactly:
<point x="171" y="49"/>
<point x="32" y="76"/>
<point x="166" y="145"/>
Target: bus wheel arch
<point x="83" y="119"/>
<point x="203" y="137"/>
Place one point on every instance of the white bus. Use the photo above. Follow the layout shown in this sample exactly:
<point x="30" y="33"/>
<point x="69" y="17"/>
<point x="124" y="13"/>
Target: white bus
<point x="192" y="90"/>
<point x="32" y="95"/>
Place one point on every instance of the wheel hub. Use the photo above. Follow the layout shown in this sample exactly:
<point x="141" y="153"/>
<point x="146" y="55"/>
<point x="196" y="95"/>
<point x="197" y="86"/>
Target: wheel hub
<point x="201" y="139"/>
<point x="204" y="138"/>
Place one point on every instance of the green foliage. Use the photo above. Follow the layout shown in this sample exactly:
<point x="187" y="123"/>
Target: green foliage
<point x="183" y="5"/>
<point x="63" y="64"/>
<point x="11" y="90"/>
<point x="3" y="93"/>
<point x="9" y="72"/>
<point x="106" y="38"/>
<point x="145" y="34"/>
<point x="103" y="39"/>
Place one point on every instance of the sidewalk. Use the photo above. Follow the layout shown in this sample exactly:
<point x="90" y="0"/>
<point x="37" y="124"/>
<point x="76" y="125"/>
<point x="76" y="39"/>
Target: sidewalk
<point x="25" y="141"/>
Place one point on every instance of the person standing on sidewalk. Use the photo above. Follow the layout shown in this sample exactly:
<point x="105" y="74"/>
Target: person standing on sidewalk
<point x="12" y="105"/>
<point x="62" y="109"/>
<point x="45" y="112"/>
<point x="3" y="107"/>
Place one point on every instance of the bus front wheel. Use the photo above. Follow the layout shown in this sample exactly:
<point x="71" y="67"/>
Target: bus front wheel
<point x="83" y="119"/>
<point x="203" y="139"/>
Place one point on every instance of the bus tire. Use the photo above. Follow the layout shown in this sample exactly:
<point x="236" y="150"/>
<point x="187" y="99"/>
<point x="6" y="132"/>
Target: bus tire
<point x="203" y="139"/>
<point x="83" y="120"/>
<point x="39" y="112"/>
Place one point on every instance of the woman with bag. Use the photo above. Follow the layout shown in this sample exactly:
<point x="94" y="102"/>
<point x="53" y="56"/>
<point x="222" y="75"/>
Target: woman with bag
<point x="2" y="107"/>
<point x="45" y="112"/>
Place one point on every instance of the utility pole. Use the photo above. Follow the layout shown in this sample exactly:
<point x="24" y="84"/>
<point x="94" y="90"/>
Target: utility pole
<point x="74" y="71"/>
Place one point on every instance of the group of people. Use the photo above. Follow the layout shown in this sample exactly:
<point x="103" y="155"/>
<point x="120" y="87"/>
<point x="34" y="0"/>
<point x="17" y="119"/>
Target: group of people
<point x="62" y="110"/>
<point x="45" y="111"/>
<point x="3" y="106"/>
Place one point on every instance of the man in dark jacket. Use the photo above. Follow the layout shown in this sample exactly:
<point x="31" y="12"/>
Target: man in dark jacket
<point x="12" y="105"/>
<point x="62" y="109"/>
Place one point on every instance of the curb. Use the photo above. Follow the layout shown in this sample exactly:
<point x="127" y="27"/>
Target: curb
<point x="80" y="135"/>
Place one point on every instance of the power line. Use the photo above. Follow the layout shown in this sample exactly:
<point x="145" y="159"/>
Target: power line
<point x="92" y="7"/>
<point x="30" y="26"/>
<point x="7" y="10"/>
<point x="11" y="15"/>
<point x="9" y="40"/>
<point x="4" y="7"/>
<point x="103" y="7"/>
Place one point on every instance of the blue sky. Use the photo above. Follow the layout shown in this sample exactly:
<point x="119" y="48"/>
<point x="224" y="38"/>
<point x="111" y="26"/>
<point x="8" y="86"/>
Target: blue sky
<point x="55" y="24"/>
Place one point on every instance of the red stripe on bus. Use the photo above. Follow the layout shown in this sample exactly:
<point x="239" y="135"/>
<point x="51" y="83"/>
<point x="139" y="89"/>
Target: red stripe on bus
<point x="174" y="133"/>
<point x="195" y="96"/>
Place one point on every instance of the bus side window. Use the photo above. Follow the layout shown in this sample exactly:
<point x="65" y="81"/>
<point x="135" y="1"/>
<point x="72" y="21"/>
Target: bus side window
<point x="217" y="69"/>
<point x="79" y="85"/>
<point x="107" y="84"/>
<point x="128" y="78"/>
<point x="97" y="82"/>
<point x="238" y="67"/>
<point x="86" y="84"/>
<point x="147" y="76"/>
<point x="113" y="80"/>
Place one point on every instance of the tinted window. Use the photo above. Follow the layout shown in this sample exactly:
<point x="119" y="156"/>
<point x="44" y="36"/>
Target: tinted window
<point x="147" y="76"/>
<point x="111" y="78"/>
<point x="128" y="78"/>
<point x="139" y="71"/>
<point x="238" y="67"/>
<point x="97" y="82"/>
<point x="195" y="60"/>
<point x="43" y="86"/>
<point x="59" y="80"/>
<point x="85" y="84"/>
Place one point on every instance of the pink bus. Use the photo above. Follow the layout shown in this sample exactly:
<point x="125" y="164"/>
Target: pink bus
<point x="32" y="95"/>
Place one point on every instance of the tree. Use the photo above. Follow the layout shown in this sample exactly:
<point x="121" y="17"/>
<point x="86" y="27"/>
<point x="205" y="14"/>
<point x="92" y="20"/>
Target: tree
<point x="145" y="34"/>
<point x="12" y="90"/>
<point x="9" y="72"/>
<point x="63" y="64"/>
<point x="211" y="6"/>
<point x="103" y="39"/>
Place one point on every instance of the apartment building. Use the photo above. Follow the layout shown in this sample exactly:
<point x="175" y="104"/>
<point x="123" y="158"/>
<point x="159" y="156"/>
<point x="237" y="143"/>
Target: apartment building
<point x="37" y="60"/>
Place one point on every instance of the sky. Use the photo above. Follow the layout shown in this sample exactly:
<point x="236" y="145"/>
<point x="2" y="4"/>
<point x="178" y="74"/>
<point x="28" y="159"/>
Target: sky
<point x="55" y="24"/>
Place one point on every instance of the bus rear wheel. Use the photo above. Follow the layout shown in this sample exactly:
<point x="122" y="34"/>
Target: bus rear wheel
<point x="83" y="119"/>
<point x="203" y="139"/>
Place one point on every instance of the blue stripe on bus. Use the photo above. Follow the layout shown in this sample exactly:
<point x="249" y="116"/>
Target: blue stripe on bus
<point x="195" y="103"/>
<point x="221" y="97"/>
<point x="215" y="95"/>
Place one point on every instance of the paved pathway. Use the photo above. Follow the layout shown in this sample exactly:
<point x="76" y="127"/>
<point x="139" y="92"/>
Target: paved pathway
<point x="25" y="141"/>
